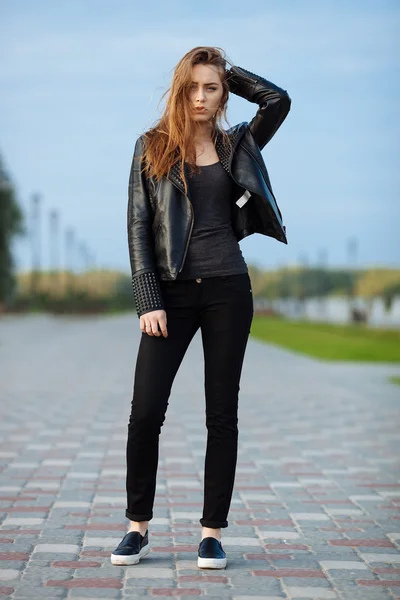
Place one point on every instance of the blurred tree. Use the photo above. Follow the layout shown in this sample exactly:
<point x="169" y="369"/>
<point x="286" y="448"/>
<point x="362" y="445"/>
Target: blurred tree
<point x="11" y="224"/>
<point x="377" y="282"/>
<point x="389" y="294"/>
<point x="304" y="282"/>
<point x="285" y="284"/>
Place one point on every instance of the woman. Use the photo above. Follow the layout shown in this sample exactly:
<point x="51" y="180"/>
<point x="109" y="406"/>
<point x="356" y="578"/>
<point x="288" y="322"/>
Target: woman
<point x="195" y="190"/>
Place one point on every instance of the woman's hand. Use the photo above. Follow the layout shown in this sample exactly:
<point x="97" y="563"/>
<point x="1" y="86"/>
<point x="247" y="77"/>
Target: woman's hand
<point x="150" y="321"/>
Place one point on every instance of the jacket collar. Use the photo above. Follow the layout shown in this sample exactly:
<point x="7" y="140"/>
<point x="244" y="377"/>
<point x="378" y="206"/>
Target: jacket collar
<point x="225" y="154"/>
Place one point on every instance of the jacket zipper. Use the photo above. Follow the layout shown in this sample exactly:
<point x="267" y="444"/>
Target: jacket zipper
<point x="188" y="238"/>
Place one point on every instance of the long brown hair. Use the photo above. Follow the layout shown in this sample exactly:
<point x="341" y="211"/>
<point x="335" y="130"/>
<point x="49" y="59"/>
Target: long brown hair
<point x="171" y="139"/>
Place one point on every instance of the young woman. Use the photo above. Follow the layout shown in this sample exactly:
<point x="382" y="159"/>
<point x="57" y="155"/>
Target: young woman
<point x="195" y="191"/>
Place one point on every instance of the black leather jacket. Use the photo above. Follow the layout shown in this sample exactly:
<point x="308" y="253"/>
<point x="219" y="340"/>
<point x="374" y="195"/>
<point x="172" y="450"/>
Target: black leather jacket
<point x="160" y="215"/>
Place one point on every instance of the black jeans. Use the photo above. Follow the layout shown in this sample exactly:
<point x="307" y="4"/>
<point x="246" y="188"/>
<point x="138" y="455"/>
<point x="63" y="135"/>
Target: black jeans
<point x="222" y="307"/>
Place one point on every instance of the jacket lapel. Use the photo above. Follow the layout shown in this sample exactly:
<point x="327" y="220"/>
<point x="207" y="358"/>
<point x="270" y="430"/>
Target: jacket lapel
<point x="225" y="154"/>
<point x="175" y="178"/>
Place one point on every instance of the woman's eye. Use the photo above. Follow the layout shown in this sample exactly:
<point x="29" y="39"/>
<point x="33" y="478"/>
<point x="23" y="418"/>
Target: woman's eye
<point x="194" y="87"/>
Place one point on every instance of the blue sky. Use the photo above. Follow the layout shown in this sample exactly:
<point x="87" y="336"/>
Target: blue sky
<point x="82" y="79"/>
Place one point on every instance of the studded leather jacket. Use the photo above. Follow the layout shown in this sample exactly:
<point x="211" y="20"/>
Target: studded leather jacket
<point x="160" y="214"/>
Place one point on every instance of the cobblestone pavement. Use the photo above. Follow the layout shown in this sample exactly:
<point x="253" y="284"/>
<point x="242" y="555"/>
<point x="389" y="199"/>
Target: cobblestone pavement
<point x="315" y="506"/>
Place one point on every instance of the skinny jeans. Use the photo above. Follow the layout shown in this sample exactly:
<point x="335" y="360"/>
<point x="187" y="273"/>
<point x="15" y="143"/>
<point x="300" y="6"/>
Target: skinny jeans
<point x="222" y="307"/>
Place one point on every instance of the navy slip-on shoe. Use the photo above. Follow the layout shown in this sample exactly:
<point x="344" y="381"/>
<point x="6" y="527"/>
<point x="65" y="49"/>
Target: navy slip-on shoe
<point x="131" y="549"/>
<point x="211" y="554"/>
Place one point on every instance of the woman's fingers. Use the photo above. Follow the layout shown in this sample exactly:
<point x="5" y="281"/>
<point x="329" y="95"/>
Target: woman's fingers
<point x="154" y="323"/>
<point x="145" y="325"/>
<point x="154" y="327"/>
<point x="149" y="328"/>
<point x="163" y="325"/>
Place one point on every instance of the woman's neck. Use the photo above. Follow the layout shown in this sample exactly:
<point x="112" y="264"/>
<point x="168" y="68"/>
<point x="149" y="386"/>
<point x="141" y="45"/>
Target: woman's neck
<point x="203" y="134"/>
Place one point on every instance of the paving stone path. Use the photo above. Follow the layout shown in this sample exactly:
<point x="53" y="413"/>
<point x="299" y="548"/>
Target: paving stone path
<point x="315" y="511"/>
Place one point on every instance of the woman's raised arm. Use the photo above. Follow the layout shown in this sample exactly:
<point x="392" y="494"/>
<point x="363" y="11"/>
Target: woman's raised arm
<point x="273" y="101"/>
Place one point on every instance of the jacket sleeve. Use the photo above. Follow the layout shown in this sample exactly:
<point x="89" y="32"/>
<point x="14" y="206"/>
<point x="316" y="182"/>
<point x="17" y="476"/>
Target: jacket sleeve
<point x="273" y="101"/>
<point x="145" y="282"/>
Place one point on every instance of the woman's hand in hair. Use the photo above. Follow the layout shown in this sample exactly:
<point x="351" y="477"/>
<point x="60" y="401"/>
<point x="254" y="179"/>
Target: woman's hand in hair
<point x="154" y="321"/>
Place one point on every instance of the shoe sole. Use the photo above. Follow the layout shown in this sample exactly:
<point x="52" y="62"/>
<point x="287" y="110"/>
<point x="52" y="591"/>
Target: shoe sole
<point x="211" y="563"/>
<point x="129" y="559"/>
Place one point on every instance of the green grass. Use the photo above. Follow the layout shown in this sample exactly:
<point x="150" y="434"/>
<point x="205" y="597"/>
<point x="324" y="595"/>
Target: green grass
<point x="395" y="380"/>
<point x="330" y="342"/>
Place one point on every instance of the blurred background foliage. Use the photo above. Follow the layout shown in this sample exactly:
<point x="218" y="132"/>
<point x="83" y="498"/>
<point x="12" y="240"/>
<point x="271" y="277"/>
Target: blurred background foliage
<point x="313" y="282"/>
<point x="76" y="284"/>
<point x="11" y="225"/>
<point x="103" y="286"/>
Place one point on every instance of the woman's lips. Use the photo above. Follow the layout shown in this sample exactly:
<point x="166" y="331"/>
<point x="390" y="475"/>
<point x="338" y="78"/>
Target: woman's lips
<point x="200" y="110"/>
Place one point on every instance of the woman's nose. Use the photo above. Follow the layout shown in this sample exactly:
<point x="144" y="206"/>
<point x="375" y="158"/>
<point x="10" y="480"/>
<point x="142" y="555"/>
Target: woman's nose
<point x="200" y="95"/>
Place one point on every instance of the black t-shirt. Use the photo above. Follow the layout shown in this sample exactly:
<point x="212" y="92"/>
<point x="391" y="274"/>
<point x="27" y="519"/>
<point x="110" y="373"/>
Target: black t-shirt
<point x="213" y="247"/>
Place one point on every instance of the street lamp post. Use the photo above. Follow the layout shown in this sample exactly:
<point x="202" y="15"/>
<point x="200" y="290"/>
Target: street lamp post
<point x="69" y="258"/>
<point x="54" y="255"/>
<point x="35" y="244"/>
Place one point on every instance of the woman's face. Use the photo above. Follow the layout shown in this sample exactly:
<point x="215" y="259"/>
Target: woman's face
<point x="205" y="92"/>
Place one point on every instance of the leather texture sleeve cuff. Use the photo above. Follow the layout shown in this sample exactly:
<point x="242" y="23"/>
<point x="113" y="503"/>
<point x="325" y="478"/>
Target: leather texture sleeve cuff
<point x="147" y="293"/>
